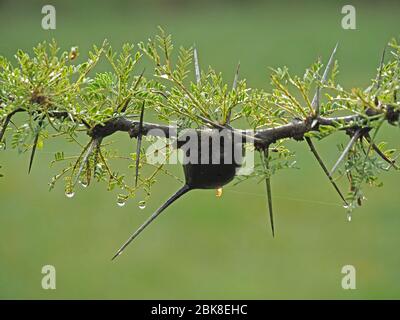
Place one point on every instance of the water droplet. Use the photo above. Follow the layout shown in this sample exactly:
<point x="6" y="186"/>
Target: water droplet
<point x="84" y="184"/>
<point x="69" y="194"/>
<point x="142" y="204"/>
<point x="2" y="146"/>
<point x="218" y="192"/>
<point x="121" y="202"/>
<point x="349" y="216"/>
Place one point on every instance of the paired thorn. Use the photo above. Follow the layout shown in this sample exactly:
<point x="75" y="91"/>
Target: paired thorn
<point x="172" y="199"/>
<point x="35" y="142"/>
<point x="321" y="163"/>
<point x="379" y="152"/>
<point x="315" y="101"/>
<point x="139" y="144"/>
<point x="352" y="141"/>
<point x="235" y="81"/>
<point x="198" y="79"/>
<point x="269" y="191"/>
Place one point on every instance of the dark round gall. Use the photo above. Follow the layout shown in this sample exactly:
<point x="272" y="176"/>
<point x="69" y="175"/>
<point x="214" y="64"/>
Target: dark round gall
<point x="214" y="162"/>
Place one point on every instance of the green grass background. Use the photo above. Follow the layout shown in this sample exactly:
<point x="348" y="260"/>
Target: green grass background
<point x="204" y="247"/>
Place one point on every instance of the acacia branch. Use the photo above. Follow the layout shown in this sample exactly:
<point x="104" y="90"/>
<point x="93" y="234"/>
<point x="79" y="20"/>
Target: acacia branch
<point x="261" y="138"/>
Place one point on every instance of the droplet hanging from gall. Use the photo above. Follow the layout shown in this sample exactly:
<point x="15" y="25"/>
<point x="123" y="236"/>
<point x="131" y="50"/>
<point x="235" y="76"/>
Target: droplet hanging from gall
<point x="218" y="192"/>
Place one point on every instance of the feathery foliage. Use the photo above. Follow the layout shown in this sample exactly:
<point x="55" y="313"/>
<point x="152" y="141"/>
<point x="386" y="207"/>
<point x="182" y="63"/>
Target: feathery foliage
<point x="60" y="98"/>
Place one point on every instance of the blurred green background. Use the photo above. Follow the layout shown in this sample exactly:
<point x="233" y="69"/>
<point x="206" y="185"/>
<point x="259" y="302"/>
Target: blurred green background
<point x="204" y="247"/>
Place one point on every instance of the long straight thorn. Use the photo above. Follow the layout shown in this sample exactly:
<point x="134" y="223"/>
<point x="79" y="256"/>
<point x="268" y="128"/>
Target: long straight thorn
<point x="196" y="66"/>
<point x="172" y="199"/>
<point x="315" y="101"/>
<point x="379" y="152"/>
<point x="329" y="64"/>
<point x="4" y="126"/>
<point x="234" y="86"/>
<point x="269" y="192"/>
<point x="236" y="78"/>
<point x="35" y="142"/>
<point x="379" y="78"/>
<point x="352" y="141"/>
<point x="324" y="168"/>
<point x="139" y="144"/>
